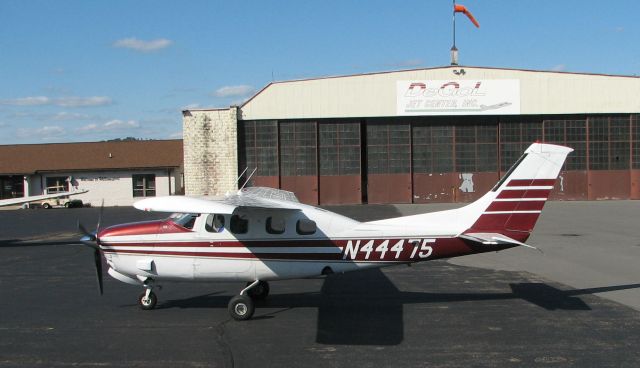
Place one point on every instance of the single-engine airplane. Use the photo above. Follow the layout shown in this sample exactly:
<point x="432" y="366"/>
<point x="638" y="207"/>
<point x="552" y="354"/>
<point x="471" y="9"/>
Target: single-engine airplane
<point x="259" y="235"/>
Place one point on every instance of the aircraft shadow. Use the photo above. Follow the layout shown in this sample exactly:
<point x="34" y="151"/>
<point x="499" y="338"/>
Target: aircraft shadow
<point x="365" y="308"/>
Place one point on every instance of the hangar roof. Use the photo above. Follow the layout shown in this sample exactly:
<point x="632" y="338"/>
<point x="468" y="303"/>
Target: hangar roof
<point x="115" y="155"/>
<point x="377" y="94"/>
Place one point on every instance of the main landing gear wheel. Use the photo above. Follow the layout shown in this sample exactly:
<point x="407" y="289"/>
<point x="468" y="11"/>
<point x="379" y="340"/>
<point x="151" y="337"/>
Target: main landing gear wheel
<point x="241" y="307"/>
<point x="260" y="291"/>
<point x="147" y="302"/>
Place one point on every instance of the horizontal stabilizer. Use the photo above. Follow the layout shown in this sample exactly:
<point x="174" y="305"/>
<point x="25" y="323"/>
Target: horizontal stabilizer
<point x="493" y="239"/>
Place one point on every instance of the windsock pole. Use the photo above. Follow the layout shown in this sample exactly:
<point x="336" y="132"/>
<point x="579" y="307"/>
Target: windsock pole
<point x="454" y="50"/>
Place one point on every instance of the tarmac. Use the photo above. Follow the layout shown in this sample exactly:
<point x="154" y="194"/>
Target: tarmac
<point x="574" y="305"/>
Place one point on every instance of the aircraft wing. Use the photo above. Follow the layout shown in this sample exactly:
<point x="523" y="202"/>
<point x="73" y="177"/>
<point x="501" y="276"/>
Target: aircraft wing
<point x="12" y="201"/>
<point x="257" y="197"/>
<point x="493" y="239"/>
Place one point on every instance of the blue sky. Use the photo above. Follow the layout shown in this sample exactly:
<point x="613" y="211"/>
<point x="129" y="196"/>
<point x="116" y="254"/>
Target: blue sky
<point x="78" y="70"/>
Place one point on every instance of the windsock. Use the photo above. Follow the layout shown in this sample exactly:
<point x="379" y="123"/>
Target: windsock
<point x="457" y="8"/>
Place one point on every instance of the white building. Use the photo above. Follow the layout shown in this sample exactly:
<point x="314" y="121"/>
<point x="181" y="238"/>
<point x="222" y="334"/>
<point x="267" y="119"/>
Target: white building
<point x="118" y="172"/>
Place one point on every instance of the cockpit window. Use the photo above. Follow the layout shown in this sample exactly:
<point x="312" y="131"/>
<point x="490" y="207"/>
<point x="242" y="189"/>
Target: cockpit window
<point x="215" y="223"/>
<point x="186" y="220"/>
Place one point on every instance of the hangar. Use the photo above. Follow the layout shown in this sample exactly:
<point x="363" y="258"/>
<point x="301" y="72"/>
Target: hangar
<point x="118" y="172"/>
<point x="442" y="134"/>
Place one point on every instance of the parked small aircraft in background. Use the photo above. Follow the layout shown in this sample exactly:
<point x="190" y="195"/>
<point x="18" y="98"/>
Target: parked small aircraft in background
<point x="37" y="198"/>
<point x="261" y="234"/>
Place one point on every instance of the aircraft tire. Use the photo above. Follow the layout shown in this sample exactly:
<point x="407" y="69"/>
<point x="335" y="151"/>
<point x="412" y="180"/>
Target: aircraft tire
<point x="260" y="291"/>
<point x="147" y="304"/>
<point x="241" y="307"/>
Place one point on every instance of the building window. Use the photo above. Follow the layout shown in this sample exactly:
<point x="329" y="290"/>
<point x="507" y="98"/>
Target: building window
<point x="144" y="185"/>
<point x="388" y="147"/>
<point x="258" y="146"/>
<point x="609" y="143"/>
<point x="516" y="134"/>
<point x="339" y="148"/>
<point x="57" y="184"/>
<point x="298" y="148"/>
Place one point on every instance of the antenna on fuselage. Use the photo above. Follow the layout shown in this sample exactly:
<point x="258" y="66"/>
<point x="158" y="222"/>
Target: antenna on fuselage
<point x="249" y="178"/>
<point x="242" y="173"/>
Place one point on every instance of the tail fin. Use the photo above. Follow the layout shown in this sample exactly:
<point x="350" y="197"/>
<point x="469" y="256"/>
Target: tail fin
<point x="515" y="203"/>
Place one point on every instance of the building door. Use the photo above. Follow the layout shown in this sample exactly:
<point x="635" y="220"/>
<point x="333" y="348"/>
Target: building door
<point x="299" y="159"/>
<point x="339" y="150"/>
<point x="388" y="161"/>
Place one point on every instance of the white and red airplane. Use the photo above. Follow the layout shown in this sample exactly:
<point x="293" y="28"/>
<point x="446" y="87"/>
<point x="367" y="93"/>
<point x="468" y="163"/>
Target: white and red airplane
<point x="262" y="234"/>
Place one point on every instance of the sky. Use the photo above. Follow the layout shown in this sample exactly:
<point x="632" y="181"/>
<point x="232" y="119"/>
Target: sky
<point x="78" y="71"/>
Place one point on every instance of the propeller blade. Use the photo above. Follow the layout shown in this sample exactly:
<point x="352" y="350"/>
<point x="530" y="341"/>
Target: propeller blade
<point x="98" y="261"/>
<point x="83" y="230"/>
<point x="99" y="222"/>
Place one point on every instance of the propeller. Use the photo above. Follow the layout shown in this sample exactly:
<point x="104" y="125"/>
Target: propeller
<point x="92" y="240"/>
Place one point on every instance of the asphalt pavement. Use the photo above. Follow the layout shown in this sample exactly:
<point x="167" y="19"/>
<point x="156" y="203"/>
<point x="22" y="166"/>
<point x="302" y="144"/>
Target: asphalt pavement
<point x="434" y="314"/>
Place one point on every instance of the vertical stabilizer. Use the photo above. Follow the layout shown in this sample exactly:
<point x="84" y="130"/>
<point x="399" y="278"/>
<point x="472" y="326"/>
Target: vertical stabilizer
<point x="515" y="203"/>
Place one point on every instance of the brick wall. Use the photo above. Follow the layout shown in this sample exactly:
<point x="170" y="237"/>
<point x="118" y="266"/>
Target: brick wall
<point x="210" y="151"/>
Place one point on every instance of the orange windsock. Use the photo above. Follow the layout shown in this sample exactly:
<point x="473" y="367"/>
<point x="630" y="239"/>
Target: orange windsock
<point x="461" y="9"/>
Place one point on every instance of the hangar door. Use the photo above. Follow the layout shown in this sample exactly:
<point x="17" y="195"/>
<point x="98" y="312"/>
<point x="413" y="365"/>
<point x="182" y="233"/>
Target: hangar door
<point x="339" y="147"/>
<point x="388" y="161"/>
<point x="299" y="159"/>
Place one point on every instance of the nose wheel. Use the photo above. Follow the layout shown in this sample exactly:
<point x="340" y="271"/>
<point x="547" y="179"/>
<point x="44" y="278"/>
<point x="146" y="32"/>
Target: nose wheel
<point x="147" y="300"/>
<point x="241" y="307"/>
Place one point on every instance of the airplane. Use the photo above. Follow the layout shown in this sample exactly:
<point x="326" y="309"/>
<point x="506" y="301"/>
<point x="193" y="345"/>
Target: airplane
<point x="258" y="235"/>
<point x="42" y="197"/>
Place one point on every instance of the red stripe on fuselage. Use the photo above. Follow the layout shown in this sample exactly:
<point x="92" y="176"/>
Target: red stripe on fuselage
<point x="411" y="252"/>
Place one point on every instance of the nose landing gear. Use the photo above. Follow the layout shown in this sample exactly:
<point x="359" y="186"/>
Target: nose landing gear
<point x="148" y="299"/>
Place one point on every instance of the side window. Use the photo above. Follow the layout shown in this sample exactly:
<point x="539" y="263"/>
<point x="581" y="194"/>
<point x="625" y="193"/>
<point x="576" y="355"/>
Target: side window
<point x="275" y="225"/>
<point x="239" y="225"/>
<point x="215" y="223"/>
<point x="305" y="227"/>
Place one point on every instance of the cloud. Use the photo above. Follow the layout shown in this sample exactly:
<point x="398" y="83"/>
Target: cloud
<point x="59" y="116"/>
<point x="27" y="101"/>
<point x="234" y="91"/>
<point x="61" y="101"/>
<point x="82" y="101"/>
<point x="119" y="124"/>
<point x="66" y="116"/>
<point x="176" y="135"/>
<point x="559" y="68"/>
<point x="109" y="126"/>
<point x="141" y="45"/>
<point x="45" y="133"/>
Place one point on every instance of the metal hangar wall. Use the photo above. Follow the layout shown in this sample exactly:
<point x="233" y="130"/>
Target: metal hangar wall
<point x="419" y="136"/>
